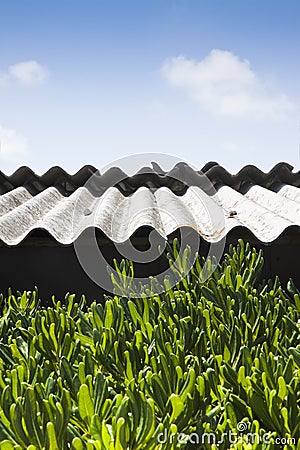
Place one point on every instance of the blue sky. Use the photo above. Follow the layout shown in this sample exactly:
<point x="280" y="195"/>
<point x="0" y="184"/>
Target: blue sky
<point x="91" y="81"/>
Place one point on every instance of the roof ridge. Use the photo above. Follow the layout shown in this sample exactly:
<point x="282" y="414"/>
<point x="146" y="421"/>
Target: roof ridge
<point x="177" y="178"/>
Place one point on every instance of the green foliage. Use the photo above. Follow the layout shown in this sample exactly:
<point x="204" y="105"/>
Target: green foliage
<point x="203" y="357"/>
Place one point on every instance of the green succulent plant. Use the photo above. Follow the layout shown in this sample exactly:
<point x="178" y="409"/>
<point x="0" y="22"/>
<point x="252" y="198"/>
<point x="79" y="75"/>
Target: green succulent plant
<point x="204" y="358"/>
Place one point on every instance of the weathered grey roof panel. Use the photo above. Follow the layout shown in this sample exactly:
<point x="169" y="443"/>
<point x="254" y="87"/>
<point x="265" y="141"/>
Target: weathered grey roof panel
<point x="265" y="213"/>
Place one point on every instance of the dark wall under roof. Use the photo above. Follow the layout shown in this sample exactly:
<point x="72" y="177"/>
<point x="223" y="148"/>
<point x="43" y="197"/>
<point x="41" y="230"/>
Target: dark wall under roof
<point x="40" y="261"/>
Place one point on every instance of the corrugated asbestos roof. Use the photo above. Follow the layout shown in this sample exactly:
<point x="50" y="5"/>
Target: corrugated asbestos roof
<point x="155" y="177"/>
<point x="65" y="205"/>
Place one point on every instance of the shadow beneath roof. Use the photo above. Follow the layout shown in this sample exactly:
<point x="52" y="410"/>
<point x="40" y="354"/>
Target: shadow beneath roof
<point x="40" y="261"/>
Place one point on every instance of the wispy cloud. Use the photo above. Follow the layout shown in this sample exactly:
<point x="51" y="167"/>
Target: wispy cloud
<point x="225" y="85"/>
<point x="13" y="146"/>
<point x="28" y="72"/>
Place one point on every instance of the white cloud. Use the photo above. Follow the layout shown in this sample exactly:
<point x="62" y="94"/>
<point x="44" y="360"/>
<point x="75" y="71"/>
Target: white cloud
<point x="225" y="85"/>
<point x="13" y="146"/>
<point x="28" y="72"/>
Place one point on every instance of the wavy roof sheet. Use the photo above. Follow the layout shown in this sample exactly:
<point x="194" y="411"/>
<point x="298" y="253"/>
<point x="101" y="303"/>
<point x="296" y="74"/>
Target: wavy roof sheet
<point x="150" y="177"/>
<point x="65" y="205"/>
